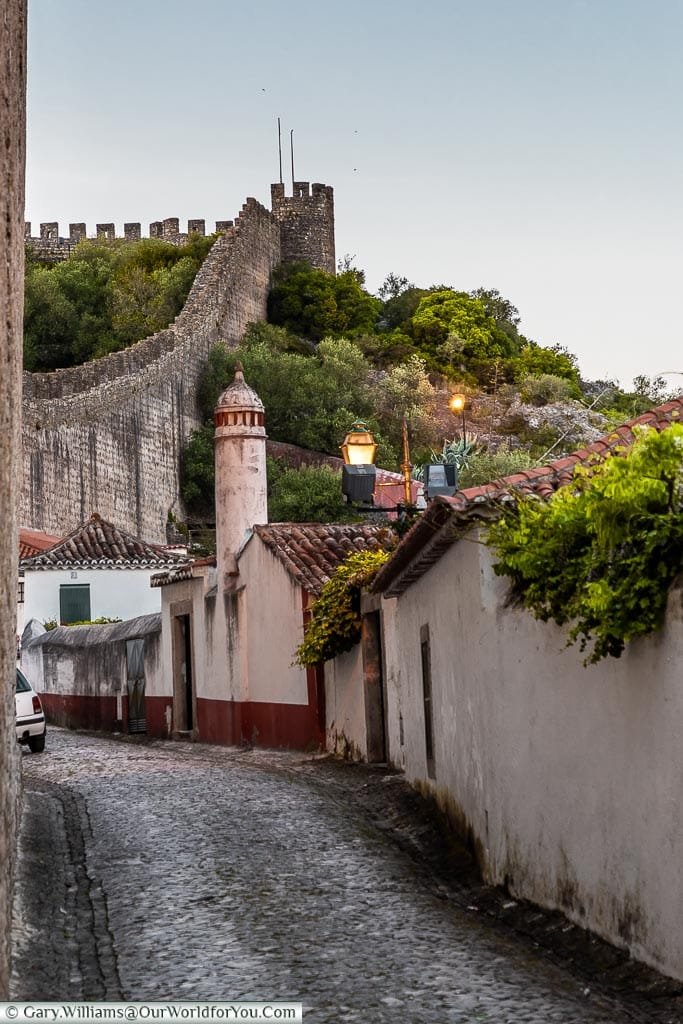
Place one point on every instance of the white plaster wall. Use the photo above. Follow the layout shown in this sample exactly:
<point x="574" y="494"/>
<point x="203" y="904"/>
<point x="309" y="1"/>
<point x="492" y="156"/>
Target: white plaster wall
<point x="222" y="617"/>
<point x="215" y="640"/>
<point x="345" y="705"/>
<point x="271" y="628"/>
<point x="89" y="661"/>
<point x="570" y="777"/>
<point x="114" y="593"/>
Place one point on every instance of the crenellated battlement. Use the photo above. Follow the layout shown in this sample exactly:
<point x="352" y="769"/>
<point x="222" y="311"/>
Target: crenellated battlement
<point x="306" y="223"/>
<point x="50" y="246"/>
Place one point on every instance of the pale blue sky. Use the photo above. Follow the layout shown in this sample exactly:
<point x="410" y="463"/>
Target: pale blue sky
<point x="532" y="146"/>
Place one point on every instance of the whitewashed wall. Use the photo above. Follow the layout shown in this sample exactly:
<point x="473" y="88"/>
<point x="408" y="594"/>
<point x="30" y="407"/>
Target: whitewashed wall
<point x="569" y="777"/>
<point x="114" y="593"/>
<point x="90" y="661"/>
<point x="272" y="628"/>
<point x="345" y="705"/>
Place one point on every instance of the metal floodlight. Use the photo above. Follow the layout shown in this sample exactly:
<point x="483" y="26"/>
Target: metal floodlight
<point x="440" y="478"/>
<point x="358" y="484"/>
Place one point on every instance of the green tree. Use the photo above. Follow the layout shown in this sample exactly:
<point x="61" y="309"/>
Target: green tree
<point x="315" y="304"/>
<point x="447" y="312"/>
<point x="50" y="322"/>
<point x="106" y="296"/>
<point x="535" y="360"/>
<point x="405" y="390"/>
<point x="399" y="307"/>
<point x="311" y="494"/>
<point x="309" y="400"/>
<point x="198" y="474"/>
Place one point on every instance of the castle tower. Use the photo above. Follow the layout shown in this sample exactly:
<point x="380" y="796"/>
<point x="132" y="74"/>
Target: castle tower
<point x="240" y="453"/>
<point x="306" y="223"/>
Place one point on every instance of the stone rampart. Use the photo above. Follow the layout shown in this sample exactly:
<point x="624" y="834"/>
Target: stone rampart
<point x="51" y="247"/>
<point x="107" y="436"/>
<point x="307" y="223"/>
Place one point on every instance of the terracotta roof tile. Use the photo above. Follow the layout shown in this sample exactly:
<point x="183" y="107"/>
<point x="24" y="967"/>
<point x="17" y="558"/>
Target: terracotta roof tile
<point x="98" y="544"/>
<point x="310" y="552"/>
<point x="31" y="542"/>
<point x="426" y="541"/>
<point x="184" y="570"/>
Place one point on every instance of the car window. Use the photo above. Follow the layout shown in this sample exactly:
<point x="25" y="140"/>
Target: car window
<point x="23" y="684"/>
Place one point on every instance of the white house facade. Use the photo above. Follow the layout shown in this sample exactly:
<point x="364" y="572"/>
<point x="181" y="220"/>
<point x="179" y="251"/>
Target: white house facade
<point x="231" y="625"/>
<point x="566" y="779"/>
<point x="97" y="571"/>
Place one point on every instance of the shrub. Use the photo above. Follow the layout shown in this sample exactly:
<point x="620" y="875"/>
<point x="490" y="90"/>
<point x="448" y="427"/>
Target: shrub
<point x="484" y="466"/>
<point x="335" y="622"/>
<point x="600" y="556"/>
<point x="544" y="388"/>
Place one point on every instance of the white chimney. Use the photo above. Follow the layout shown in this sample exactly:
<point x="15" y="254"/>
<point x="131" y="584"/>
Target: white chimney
<point x="240" y="451"/>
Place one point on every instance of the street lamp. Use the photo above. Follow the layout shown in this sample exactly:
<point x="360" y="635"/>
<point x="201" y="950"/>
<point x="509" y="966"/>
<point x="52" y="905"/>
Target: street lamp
<point x="358" y="473"/>
<point x="359" y="447"/>
<point x="457" y="405"/>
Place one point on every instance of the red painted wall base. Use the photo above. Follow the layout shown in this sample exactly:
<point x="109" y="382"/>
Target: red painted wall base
<point x="264" y="724"/>
<point x="76" y="711"/>
<point x="231" y="723"/>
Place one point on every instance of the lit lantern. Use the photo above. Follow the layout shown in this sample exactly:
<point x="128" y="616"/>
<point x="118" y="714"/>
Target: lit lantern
<point x="457" y="405"/>
<point x="359" y="446"/>
<point x="358" y="474"/>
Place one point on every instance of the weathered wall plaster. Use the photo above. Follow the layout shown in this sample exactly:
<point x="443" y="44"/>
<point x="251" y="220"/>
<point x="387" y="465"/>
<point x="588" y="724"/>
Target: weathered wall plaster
<point x="568" y="778"/>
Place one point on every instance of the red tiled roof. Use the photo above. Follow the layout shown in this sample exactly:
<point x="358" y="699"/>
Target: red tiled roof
<point x="98" y="544"/>
<point x="183" y="571"/>
<point x="447" y="519"/>
<point x="310" y="552"/>
<point x="33" y="541"/>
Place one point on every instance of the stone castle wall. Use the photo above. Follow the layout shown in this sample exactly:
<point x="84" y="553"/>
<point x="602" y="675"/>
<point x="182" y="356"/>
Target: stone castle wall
<point x="107" y="436"/>
<point x="51" y="247"/>
<point x="307" y="223"/>
<point x="12" y="151"/>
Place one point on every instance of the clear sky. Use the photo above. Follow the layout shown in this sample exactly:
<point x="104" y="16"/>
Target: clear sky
<point x="533" y="146"/>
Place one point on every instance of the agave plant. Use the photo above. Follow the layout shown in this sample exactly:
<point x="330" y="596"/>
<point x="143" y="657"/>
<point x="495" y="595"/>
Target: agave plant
<point x="453" y="452"/>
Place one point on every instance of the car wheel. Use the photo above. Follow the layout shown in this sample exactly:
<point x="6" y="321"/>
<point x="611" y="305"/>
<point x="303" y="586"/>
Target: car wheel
<point x="36" y="744"/>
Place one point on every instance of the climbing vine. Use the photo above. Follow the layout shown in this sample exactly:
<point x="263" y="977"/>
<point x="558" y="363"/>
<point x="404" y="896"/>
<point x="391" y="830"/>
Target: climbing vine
<point x="334" y="626"/>
<point x="600" y="555"/>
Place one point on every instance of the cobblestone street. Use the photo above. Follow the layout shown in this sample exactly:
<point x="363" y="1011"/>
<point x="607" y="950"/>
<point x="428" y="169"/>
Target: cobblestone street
<point x="153" y="870"/>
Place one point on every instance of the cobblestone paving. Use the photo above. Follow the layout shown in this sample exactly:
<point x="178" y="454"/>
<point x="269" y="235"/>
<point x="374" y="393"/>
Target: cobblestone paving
<point x="159" y="871"/>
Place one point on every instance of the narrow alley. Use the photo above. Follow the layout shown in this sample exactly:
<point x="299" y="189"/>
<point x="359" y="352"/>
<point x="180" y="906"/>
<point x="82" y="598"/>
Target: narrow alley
<point x="152" y="870"/>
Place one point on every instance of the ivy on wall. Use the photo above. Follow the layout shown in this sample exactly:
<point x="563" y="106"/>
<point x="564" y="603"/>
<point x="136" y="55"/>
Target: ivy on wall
<point x="600" y="555"/>
<point x="335" y="623"/>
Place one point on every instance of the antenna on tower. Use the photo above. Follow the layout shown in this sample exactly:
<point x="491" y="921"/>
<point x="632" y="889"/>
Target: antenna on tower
<point x="279" y="147"/>
<point x="291" y="147"/>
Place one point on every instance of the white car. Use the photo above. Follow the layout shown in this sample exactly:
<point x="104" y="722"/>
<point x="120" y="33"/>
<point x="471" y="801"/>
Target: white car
<point x="30" y="718"/>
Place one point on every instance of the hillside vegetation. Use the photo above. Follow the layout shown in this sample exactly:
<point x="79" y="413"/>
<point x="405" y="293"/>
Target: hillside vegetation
<point x="331" y="353"/>
<point x="105" y="297"/>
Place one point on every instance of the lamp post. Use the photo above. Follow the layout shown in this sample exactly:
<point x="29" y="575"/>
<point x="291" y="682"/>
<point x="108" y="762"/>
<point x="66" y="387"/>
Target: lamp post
<point x="457" y="405"/>
<point x="358" y="474"/>
<point x="406" y="466"/>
